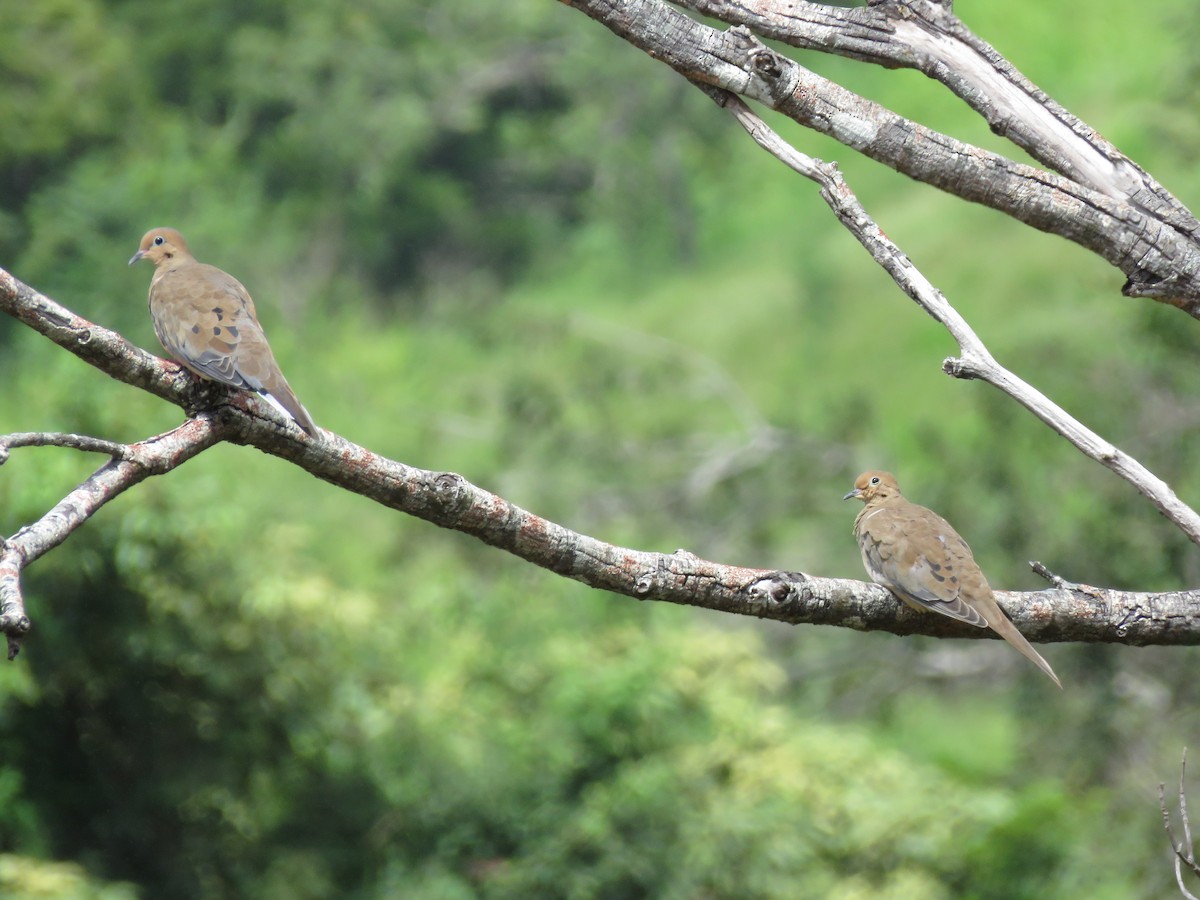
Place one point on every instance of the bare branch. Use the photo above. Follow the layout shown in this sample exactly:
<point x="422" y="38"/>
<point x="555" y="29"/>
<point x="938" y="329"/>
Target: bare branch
<point x="1062" y="584"/>
<point x="54" y="439"/>
<point x="1105" y="211"/>
<point x="102" y="348"/>
<point x="931" y="39"/>
<point x="1184" y="853"/>
<point x="1092" y="212"/>
<point x="450" y="501"/>
<point x="131" y="464"/>
<point x="975" y="360"/>
<point x="1183" y="814"/>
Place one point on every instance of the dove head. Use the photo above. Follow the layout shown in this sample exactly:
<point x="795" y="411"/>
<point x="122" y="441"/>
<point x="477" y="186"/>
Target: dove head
<point x="874" y="486"/>
<point x="161" y="245"/>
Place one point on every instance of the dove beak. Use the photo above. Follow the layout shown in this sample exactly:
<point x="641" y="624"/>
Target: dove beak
<point x="855" y="494"/>
<point x="136" y="256"/>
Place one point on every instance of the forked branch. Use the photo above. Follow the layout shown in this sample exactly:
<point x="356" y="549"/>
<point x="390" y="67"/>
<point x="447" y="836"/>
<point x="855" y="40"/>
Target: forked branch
<point x="974" y="361"/>
<point x="450" y="501"/>
<point x="1094" y="197"/>
<point x="1184" y="852"/>
<point x="1089" y="193"/>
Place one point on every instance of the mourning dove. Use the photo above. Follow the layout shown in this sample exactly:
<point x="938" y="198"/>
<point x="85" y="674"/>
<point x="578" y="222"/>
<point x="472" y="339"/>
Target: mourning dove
<point x="914" y="553"/>
<point x="205" y="319"/>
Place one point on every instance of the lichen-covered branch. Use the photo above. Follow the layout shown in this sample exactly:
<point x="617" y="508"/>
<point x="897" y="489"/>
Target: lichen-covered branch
<point x="928" y="37"/>
<point x="450" y="501"/>
<point x="130" y="464"/>
<point x="1090" y="194"/>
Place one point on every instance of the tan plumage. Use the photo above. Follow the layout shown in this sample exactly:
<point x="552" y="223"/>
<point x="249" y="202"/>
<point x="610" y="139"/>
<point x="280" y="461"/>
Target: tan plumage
<point x="206" y="321"/>
<point x="914" y="553"/>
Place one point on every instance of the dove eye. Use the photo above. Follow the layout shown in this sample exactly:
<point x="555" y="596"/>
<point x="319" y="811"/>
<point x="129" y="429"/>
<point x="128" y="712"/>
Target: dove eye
<point x="159" y="240"/>
<point x="875" y="480"/>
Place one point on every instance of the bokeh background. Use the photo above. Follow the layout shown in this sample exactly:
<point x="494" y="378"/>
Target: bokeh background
<point x="493" y="239"/>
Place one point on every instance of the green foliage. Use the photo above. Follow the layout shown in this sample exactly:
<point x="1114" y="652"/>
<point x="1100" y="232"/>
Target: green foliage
<point x="490" y="238"/>
<point x="498" y="751"/>
<point x="412" y="161"/>
<point x="54" y="54"/>
<point x="22" y="878"/>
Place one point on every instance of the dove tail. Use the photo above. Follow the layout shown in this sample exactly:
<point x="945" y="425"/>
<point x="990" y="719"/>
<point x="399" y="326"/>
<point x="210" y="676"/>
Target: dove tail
<point x="1007" y="630"/>
<point x="285" y="401"/>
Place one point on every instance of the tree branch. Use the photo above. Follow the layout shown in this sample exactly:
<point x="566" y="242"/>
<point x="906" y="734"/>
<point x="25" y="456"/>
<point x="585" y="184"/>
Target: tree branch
<point x="931" y="39"/>
<point x="1104" y="202"/>
<point x="130" y="465"/>
<point x="1184" y="855"/>
<point x="54" y="439"/>
<point x="1100" y="214"/>
<point x="450" y="501"/>
<point x="975" y="361"/>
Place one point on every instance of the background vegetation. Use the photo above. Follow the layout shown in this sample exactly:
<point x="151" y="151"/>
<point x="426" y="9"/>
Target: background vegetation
<point x="490" y="238"/>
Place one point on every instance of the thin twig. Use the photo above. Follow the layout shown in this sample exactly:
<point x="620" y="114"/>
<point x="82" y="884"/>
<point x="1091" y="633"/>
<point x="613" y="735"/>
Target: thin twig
<point x="1061" y="583"/>
<point x="131" y="464"/>
<point x="60" y="439"/>
<point x="1183" y="852"/>
<point x="1183" y="814"/>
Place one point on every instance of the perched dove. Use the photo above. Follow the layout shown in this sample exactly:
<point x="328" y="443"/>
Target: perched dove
<point x="205" y="319"/>
<point x="914" y="553"/>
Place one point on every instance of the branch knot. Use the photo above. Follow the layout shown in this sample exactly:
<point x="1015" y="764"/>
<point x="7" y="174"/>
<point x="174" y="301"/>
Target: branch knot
<point x="448" y="482"/>
<point x="960" y="367"/>
<point x="645" y="583"/>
